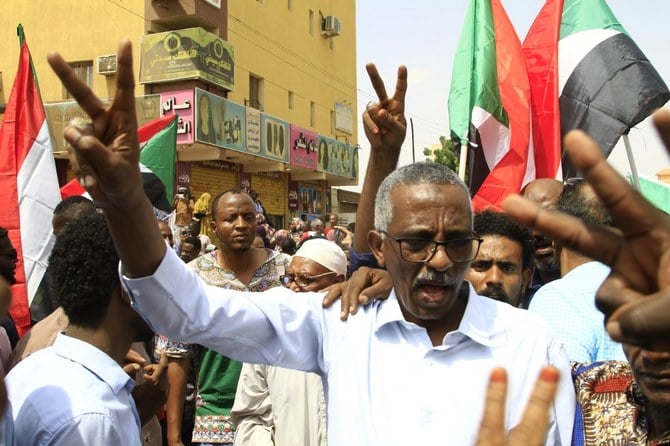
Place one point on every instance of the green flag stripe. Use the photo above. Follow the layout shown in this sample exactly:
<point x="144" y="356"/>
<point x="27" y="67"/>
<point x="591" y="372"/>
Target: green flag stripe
<point x="656" y="192"/>
<point x="475" y="79"/>
<point x="584" y="15"/>
<point x="159" y="155"/>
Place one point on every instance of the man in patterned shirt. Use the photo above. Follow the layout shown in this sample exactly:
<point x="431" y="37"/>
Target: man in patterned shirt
<point x="625" y="403"/>
<point x="239" y="266"/>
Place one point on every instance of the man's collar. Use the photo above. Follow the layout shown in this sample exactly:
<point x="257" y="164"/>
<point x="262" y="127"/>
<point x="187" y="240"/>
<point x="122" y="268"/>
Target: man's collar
<point x="478" y="322"/>
<point x="95" y="360"/>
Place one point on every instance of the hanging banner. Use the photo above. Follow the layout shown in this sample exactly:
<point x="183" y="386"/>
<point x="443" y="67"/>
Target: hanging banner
<point x="59" y="114"/>
<point x="191" y="53"/>
<point x="303" y="148"/>
<point x="274" y="138"/>
<point x="209" y="113"/>
<point x="337" y="157"/>
<point x="180" y="103"/>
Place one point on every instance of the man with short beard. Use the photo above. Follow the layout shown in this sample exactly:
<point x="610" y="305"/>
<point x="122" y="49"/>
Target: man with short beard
<point x="236" y="265"/>
<point x="502" y="267"/>
<point x="544" y="192"/>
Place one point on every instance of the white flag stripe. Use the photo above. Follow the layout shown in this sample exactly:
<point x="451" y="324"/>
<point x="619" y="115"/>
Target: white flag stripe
<point x="495" y="137"/>
<point x="37" y="187"/>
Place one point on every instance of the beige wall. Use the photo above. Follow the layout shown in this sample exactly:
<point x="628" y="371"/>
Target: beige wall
<point x="79" y="30"/>
<point x="274" y="43"/>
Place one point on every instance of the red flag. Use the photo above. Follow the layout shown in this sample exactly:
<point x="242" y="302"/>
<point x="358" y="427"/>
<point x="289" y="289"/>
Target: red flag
<point x="586" y="73"/>
<point x="158" y="137"/>
<point x="541" y="52"/>
<point x="28" y="186"/>
<point x="72" y="188"/>
<point x="489" y="104"/>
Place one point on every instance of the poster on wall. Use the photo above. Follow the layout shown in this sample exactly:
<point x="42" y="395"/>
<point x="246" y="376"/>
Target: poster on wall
<point x="309" y="199"/>
<point x="245" y="181"/>
<point x="180" y="103"/>
<point x="274" y="138"/>
<point x="292" y="195"/>
<point x="183" y="174"/>
<point x="344" y="118"/>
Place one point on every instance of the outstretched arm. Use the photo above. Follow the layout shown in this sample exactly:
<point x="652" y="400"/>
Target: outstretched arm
<point x="105" y="155"/>
<point x="636" y="296"/>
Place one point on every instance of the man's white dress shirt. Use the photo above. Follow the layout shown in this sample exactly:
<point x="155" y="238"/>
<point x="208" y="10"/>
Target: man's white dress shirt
<point x="72" y="393"/>
<point x="384" y="381"/>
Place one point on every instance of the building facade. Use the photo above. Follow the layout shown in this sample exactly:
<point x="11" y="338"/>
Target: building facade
<point x="264" y="90"/>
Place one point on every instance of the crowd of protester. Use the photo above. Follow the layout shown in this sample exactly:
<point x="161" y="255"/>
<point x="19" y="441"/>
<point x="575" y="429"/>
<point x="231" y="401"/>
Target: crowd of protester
<point x="452" y="327"/>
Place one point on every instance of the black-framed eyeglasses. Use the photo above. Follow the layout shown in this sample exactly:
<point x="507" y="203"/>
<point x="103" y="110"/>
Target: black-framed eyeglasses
<point x="418" y="250"/>
<point x="303" y="281"/>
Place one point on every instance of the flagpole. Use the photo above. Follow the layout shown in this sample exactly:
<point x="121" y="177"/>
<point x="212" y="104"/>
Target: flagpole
<point x="631" y="161"/>
<point x="411" y="125"/>
<point x="463" y="159"/>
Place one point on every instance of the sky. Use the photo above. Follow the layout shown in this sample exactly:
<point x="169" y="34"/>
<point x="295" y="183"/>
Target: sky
<point x="423" y="35"/>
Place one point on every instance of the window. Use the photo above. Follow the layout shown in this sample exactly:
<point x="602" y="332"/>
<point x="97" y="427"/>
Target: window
<point x="312" y="114"/>
<point x="83" y="70"/>
<point x="311" y="22"/>
<point x="290" y="100"/>
<point x="255" y="92"/>
<point x="332" y="121"/>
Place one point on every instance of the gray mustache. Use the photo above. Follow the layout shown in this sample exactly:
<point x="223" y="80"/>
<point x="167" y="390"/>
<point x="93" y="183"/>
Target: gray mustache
<point x="434" y="278"/>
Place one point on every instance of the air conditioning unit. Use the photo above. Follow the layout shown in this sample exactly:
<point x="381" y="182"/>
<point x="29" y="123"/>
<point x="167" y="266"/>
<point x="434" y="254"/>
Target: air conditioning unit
<point x="331" y="26"/>
<point x="106" y="64"/>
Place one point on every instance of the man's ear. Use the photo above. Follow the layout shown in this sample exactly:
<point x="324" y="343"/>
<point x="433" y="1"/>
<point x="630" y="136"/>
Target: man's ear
<point x="375" y="241"/>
